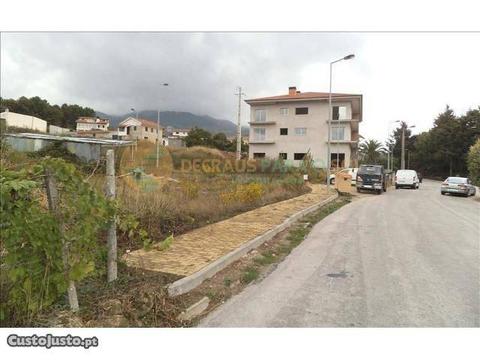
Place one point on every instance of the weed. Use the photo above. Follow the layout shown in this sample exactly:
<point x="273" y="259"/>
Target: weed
<point x="265" y="259"/>
<point x="227" y="282"/>
<point x="165" y="244"/>
<point x="250" y="274"/>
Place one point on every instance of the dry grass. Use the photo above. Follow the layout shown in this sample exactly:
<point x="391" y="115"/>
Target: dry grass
<point x="197" y="200"/>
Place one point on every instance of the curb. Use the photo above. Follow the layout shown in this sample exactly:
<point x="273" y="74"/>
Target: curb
<point x="190" y="282"/>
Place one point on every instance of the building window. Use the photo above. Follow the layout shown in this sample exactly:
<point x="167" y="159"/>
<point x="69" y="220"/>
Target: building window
<point x="259" y="134"/>
<point x="339" y="112"/>
<point x="337" y="160"/>
<point x="284" y="111"/>
<point x="301" y="111"/>
<point x="298" y="156"/>
<point x="301" y="131"/>
<point x="338" y="133"/>
<point x="258" y="155"/>
<point x="282" y="156"/>
<point x="146" y="128"/>
<point x="151" y="129"/>
<point x="283" y="131"/>
<point x="260" y="115"/>
<point x="134" y="128"/>
<point x="145" y="138"/>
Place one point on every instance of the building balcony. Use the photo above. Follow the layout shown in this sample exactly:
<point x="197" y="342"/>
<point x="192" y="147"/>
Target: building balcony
<point x="352" y="142"/>
<point x="344" y="121"/>
<point x="261" y="123"/>
<point x="259" y="142"/>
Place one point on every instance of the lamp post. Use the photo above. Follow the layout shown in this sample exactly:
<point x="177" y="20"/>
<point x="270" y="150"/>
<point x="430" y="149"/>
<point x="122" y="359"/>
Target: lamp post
<point x="136" y="113"/>
<point x="348" y="57"/>
<point x="158" y="132"/>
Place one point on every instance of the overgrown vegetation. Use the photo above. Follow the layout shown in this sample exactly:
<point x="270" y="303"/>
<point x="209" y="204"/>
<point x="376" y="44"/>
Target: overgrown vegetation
<point x="42" y="251"/>
<point x="201" y="137"/>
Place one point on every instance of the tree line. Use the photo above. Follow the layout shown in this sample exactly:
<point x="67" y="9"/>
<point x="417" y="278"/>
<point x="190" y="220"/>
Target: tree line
<point x="63" y="115"/>
<point x="202" y="137"/>
<point x="439" y="152"/>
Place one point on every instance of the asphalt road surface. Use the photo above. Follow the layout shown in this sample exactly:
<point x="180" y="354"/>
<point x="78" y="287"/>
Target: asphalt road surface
<point x="407" y="258"/>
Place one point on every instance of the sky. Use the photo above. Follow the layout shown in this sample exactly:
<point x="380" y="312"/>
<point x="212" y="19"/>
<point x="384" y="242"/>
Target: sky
<point x="402" y="76"/>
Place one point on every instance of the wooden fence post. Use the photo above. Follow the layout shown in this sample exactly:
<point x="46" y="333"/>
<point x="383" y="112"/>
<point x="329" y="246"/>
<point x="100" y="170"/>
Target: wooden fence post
<point x="52" y="196"/>
<point x="112" y="229"/>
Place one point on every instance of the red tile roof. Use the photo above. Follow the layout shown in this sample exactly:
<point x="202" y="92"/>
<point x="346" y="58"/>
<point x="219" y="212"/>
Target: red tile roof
<point x="301" y="96"/>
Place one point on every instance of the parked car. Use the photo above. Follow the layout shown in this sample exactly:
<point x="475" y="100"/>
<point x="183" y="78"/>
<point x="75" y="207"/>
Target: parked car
<point x="349" y="171"/>
<point x="371" y="177"/>
<point x="458" y="185"/>
<point x="406" y="178"/>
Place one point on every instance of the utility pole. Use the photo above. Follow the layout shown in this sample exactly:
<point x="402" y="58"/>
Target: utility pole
<point x="158" y="132"/>
<point x="402" y="161"/>
<point x="239" y="126"/>
<point x="404" y="128"/>
<point x="158" y="137"/>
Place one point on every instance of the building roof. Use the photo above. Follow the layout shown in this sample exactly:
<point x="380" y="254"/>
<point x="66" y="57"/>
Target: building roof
<point x="148" y="123"/>
<point x="92" y="120"/>
<point x="302" y="96"/>
<point x="86" y="140"/>
<point x="143" y="122"/>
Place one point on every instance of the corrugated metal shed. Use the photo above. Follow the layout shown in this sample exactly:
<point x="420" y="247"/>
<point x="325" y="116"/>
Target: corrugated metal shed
<point x="87" y="149"/>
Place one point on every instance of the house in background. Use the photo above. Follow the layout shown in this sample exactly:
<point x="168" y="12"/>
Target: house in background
<point x="138" y="129"/>
<point x="170" y="131"/>
<point x="289" y="126"/>
<point x="85" y="123"/>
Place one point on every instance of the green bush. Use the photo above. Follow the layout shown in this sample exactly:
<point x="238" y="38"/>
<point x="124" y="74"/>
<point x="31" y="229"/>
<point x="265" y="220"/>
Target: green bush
<point x="32" y="237"/>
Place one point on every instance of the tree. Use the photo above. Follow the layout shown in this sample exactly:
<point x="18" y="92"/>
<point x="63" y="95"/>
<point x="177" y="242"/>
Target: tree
<point x="220" y="141"/>
<point x="371" y="152"/>
<point x="198" y="137"/>
<point x="473" y="161"/>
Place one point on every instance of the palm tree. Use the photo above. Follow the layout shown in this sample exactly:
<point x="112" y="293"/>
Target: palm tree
<point x="371" y="151"/>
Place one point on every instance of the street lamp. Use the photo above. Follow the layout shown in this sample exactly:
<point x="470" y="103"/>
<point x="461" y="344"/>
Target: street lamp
<point x="136" y="112"/>
<point x="330" y="117"/>
<point x="158" y="131"/>
<point x="404" y="127"/>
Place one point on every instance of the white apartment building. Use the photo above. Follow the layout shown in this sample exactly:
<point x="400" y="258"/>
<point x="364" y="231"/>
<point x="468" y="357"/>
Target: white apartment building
<point x="92" y="124"/>
<point x="289" y="126"/>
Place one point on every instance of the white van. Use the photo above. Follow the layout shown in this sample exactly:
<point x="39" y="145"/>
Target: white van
<point x="406" y="178"/>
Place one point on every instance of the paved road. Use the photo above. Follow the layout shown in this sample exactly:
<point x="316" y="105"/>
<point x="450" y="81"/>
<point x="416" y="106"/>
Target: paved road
<point x="404" y="258"/>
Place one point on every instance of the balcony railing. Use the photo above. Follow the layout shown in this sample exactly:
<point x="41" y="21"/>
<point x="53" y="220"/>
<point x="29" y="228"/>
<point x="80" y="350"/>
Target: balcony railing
<point x="262" y="123"/>
<point x="259" y="141"/>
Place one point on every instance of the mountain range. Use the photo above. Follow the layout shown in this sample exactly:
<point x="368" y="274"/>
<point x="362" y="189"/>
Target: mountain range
<point x="179" y="119"/>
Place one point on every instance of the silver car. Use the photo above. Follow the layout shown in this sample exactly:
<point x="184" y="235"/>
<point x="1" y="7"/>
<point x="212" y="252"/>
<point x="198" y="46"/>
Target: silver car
<point x="458" y="185"/>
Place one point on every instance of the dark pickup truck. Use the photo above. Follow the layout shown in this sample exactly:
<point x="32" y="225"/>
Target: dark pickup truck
<point x="372" y="178"/>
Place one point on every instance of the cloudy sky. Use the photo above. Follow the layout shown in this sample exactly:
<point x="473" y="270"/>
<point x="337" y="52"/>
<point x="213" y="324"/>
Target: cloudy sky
<point x="406" y="76"/>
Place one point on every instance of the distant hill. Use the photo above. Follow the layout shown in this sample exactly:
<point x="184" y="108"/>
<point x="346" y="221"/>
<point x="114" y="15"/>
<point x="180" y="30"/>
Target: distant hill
<point x="179" y="119"/>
